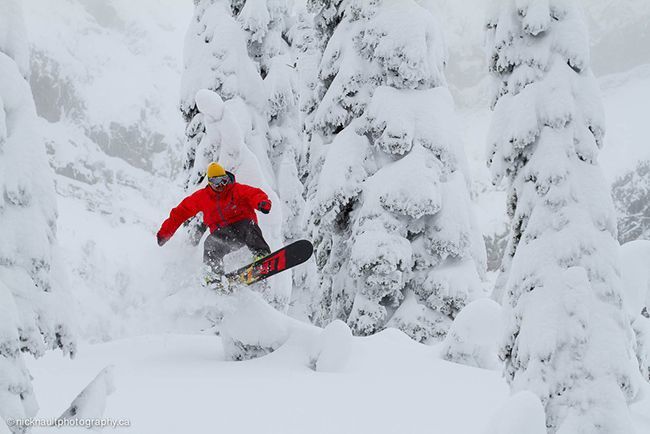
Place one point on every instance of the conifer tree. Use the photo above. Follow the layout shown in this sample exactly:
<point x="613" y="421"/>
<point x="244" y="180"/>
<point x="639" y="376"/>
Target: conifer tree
<point x="31" y="319"/>
<point x="216" y="58"/>
<point x="568" y="339"/>
<point x="390" y="211"/>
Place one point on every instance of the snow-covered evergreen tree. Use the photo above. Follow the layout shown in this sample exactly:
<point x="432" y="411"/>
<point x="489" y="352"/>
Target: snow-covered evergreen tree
<point x="307" y="46"/>
<point x="216" y="58"/>
<point x="275" y="42"/>
<point x="568" y="339"/>
<point x="240" y="48"/>
<point x="328" y="14"/>
<point x="268" y="25"/>
<point x="292" y="156"/>
<point x="31" y="318"/>
<point x="325" y="16"/>
<point x="390" y="213"/>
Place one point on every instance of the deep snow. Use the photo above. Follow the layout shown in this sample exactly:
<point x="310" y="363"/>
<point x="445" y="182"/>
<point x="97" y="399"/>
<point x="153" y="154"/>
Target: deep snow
<point x="180" y="383"/>
<point x="171" y="383"/>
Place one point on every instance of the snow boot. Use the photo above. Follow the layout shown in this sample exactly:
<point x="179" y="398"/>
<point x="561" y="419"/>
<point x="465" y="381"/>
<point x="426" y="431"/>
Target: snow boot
<point x="217" y="282"/>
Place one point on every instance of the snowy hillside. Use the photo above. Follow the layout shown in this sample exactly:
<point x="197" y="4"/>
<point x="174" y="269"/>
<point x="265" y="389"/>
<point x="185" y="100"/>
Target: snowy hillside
<point x="111" y="69"/>
<point x="173" y="383"/>
<point x="113" y="135"/>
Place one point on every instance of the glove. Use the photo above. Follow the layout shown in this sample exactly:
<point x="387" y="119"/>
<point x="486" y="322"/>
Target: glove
<point x="264" y="207"/>
<point x="161" y="240"/>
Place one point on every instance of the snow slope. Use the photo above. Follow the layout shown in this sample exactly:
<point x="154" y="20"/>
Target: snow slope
<point x="173" y="383"/>
<point x="180" y="383"/>
<point x="625" y="96"/>
<point x="112" y="68"/>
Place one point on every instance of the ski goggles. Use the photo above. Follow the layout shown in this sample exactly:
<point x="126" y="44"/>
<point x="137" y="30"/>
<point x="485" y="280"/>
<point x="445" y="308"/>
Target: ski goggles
<point x="219" y="181"/>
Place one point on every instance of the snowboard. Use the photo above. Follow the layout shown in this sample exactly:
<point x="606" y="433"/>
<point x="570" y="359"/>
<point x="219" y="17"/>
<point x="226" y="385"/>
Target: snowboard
<point x="283" y="259"/>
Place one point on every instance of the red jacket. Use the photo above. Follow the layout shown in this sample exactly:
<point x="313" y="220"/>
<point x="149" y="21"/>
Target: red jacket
<point x="234" y="203"/>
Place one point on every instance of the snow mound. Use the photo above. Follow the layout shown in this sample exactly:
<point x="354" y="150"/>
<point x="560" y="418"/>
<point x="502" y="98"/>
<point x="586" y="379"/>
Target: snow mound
<point x="91" y="402"/>
<point x="522" y="413"/>
<point x="334" y="346"/>
<point x="210" y="103"/>
<point x="475" y="335"/>
<point x="252" y="328"/>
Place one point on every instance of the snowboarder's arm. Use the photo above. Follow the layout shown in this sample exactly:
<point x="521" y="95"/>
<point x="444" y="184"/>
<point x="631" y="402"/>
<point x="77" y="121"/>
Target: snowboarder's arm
<point x="185" y="210"/>
<point x="255" y="197"/>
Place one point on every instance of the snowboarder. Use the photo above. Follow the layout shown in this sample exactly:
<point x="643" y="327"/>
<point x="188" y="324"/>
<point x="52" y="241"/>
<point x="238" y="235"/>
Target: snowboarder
<point x="228" y="209"/>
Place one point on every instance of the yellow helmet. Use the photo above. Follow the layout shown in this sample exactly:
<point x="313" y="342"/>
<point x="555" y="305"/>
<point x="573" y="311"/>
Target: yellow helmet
<point x="214" y="170"/>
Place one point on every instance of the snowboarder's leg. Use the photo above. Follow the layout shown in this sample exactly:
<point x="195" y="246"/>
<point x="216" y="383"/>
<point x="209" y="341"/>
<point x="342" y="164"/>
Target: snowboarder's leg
<point x="250" y="234"/>
<point x="217" y="245"/>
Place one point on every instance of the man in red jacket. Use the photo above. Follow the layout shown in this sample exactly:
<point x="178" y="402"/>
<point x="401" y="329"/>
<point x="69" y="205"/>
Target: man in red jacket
<point x="228" y="209"/>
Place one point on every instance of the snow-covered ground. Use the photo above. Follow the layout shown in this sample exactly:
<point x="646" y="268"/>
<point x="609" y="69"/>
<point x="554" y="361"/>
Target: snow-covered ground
<point x="180" y="383"/>
<point x="171" y="383"/>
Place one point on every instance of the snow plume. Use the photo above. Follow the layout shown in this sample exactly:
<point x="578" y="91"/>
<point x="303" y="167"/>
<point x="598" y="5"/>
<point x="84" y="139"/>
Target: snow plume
<point x="390" y="213"/>
<point x="569" y="340"/>
<point x="31" y="311"/>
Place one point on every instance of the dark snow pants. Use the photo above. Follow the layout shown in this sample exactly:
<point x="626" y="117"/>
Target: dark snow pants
<point x="229" y="238"/>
